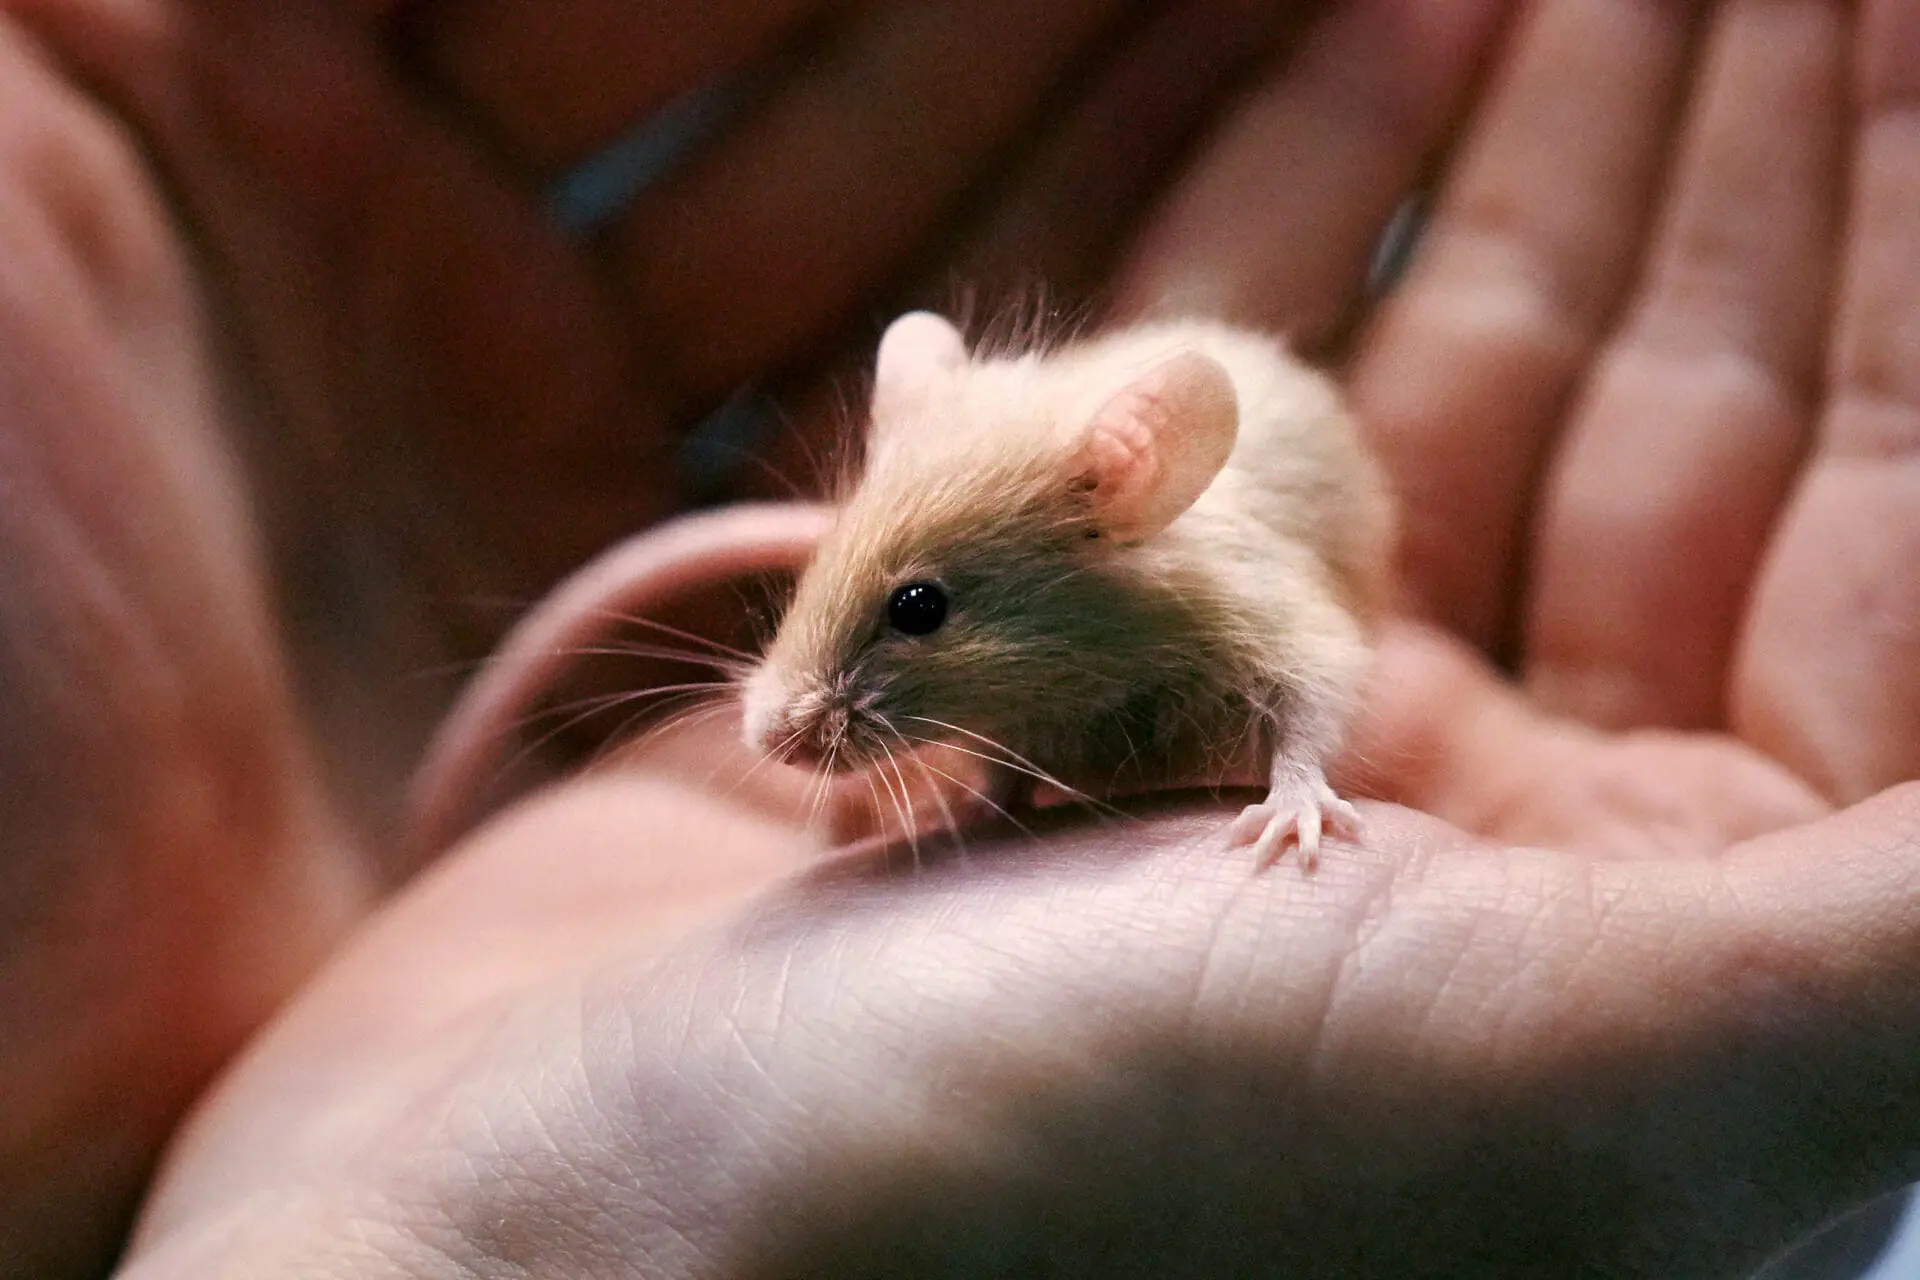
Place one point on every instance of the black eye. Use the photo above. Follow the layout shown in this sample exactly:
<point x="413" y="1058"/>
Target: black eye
<point x="917" y="608"/>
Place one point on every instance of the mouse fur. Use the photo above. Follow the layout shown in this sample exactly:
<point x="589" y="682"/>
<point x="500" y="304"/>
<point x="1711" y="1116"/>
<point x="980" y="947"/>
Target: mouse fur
<point x="1162" y="549"/>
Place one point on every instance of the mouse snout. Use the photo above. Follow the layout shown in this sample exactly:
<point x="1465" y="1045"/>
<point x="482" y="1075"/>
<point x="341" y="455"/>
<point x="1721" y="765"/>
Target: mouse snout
<point x="817" y="733"/>
<point x="808" y="738"/>
<point x="802" y="729"/>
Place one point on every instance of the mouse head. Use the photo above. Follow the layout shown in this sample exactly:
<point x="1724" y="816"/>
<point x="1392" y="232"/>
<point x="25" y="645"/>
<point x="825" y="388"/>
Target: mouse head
<point x="984" y="581"/>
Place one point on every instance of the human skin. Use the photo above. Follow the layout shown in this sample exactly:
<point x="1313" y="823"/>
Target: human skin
<point x="297" y="372"/>
<point x="1654" y="1015"/>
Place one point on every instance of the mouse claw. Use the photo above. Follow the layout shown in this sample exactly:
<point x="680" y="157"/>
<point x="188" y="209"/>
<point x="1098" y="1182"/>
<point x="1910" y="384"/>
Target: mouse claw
<point x="1297" y="812"/>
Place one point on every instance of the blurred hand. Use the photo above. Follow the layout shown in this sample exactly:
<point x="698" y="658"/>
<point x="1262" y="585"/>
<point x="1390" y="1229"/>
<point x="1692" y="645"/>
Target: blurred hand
<point x="298" y="371"/>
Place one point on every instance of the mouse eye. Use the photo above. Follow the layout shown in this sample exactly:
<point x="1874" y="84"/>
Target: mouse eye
<point x="918" y="608"/>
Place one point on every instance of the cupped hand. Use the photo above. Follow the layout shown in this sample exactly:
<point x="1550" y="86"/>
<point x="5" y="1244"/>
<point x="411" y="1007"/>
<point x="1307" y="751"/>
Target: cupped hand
<point x="300" y="377"/>
<point x="1646" y="328"/>
<point x="595" y="1040"/>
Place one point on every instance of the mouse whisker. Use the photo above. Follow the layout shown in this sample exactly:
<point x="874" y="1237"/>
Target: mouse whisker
<point x="951" y="821"/>
<point x="783" y="750"/>
<point x="732" y="667"/>
<point x="678" y="708"/>
<point x="823" y="773"/>
<point x="879" y="810"/>
<point x="1073" y="794"/>
<point x="717" y="450"/>
<point x="822" y="783"/>
<point x="780" y="754"/>
<point x="697" y="712"/>
<point x="692" y="714"/>
<point x="988" y="801"/>
<point x="1006" y="752"/>
<point x="574" y="716"/>
<point x="904" y="802"/>
<point x="700" y="693"/>
<point x="817" y="462"/>
<point x="581" y="708"/>
<point x="435" y="673"/>
<point x="706" y="643"/>
<point x="1019" y="763"/>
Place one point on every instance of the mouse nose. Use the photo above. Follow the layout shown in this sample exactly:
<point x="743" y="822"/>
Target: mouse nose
<point x="811" y="740"/>
<point x="795" y="739"/>
<point x="800" y="726"/>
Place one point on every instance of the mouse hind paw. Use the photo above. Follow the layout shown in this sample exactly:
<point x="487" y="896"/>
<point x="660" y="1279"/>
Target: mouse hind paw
<point x="1298" y="811"/>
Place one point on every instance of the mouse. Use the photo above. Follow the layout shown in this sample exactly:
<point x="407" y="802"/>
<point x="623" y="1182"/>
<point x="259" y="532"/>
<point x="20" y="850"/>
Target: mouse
<point x="1149" y="556"/>
<point x="1156" y="553"/>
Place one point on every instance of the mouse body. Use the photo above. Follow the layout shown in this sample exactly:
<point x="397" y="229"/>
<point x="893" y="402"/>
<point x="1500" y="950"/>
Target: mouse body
<point x="1147" y="556"/>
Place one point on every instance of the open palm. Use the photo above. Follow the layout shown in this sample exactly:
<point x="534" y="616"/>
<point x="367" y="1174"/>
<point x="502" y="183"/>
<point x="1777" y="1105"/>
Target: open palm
<point x="1646" y="393"/>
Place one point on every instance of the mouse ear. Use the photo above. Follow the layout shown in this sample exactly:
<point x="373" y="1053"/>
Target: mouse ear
<point x="916" y="351"/>
<point x="1157" y="444"/>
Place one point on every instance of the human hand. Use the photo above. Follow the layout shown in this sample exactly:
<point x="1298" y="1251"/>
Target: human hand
<point x="594" y="1039"/>
<point x="297" y="366"/>
<point x="1643" y="395"/>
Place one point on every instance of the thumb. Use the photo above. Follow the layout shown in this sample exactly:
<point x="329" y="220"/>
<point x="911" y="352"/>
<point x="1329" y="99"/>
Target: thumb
<point x="1445" y="733"/>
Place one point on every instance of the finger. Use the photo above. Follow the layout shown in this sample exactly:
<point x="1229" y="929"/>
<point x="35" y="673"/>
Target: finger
<point x="743" y="258"/>
<point x="1276" y="223"/>
<point x="1463" y="376"/>
<point x="551" y="82"/>
<point x="1115" y="146"/>
<point x="170" y="867"/>
<point x="1039" y="251"/>
<point x="1685" y="444"/>
<point x="1442" y="733"/>
<point x="1123" y="136"/>
<point x="1829" y="678"/>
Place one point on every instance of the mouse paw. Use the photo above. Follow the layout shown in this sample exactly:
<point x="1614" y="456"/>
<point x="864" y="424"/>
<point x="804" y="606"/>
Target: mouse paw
<point x="1298" y="810"/>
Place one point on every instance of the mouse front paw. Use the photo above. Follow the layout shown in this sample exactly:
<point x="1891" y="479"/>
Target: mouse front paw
<point x="1299" y="810"/>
